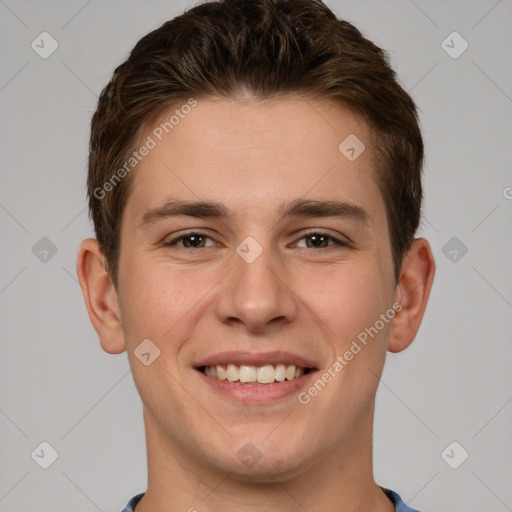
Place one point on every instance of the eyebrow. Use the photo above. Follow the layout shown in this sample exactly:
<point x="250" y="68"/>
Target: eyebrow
<point x="296" y="208"/>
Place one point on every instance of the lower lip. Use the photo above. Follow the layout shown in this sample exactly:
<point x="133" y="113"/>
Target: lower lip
<point x="257" y="393"/>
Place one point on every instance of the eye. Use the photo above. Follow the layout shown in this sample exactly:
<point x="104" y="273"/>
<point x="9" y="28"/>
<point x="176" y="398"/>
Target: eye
<point x="316" y="239"/>
<point x="313" y="240"/>
<point x="192" y="240"/>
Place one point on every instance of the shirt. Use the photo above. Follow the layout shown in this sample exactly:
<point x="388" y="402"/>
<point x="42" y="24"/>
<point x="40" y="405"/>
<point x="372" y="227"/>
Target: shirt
<point x="400" y="506"/>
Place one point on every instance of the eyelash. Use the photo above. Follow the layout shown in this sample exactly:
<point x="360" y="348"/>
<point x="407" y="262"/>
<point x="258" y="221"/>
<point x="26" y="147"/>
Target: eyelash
<point x="336" y="241"/>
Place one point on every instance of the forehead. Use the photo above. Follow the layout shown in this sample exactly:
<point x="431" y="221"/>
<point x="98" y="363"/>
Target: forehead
<point x="294" y="123"/>
<point x="257" y="151"/>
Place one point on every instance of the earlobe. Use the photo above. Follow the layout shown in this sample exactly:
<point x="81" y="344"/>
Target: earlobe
<point x="100" y="296"/>
<point x="412" y="292"/>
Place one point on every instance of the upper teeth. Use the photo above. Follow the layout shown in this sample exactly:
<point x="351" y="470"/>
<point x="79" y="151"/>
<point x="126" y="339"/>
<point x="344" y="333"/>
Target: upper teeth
<point x="263" y="374"/>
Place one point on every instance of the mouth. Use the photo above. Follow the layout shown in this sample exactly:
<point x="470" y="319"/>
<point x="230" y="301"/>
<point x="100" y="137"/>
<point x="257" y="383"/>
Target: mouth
<point x="255" y="378"/>
<point x="249" y="374"/>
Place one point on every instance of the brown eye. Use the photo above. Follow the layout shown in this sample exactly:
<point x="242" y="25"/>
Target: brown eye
<point x="317" y="240"/>
<point x="190" y="240"/>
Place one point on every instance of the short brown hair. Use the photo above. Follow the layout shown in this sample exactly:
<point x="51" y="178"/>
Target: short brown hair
<point x="270" y="48"/>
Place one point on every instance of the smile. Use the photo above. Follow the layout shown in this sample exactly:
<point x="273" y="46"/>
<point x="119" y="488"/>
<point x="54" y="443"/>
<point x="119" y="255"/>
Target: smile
<point x="248" y="374"/>
<point x="256" y="378"/>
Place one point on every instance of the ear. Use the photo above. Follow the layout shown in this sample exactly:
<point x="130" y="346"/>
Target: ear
<point x="412" y="293"/>
<point x="100" y="296"/>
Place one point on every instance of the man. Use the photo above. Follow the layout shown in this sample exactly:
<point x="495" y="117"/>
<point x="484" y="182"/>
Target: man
<point x="255" y="187"/>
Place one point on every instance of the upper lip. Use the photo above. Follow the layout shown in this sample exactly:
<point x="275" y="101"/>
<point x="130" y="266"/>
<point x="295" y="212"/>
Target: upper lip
<point x="256" y="359"/>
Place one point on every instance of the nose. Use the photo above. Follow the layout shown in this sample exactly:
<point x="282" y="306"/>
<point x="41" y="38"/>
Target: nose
<point x="256" y="295"/>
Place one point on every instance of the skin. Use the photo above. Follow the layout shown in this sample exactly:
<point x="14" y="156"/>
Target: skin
<point x="312" y="301"/>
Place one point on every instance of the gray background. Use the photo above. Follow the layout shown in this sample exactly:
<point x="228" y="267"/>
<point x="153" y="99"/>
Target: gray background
<point x="452" y="384"/>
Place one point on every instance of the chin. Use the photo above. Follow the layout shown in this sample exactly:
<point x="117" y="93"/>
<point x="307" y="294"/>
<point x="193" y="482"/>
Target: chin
<point x="271" y="462"/>
<point x="268" y="471"/>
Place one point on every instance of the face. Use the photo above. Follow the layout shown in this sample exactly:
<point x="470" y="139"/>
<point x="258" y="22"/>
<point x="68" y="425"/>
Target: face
<point x="288" y="265"/>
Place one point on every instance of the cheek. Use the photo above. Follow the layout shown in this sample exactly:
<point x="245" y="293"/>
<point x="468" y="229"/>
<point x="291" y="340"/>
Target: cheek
<point x="150" y="299"/>
<point x="346" y="299"/>
<point x="351" y="304"/>
<point x="161" y="301"/>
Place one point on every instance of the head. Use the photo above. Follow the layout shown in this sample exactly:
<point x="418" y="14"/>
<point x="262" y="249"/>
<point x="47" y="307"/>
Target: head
<point x="303" y="155"/>
<point x="281" y="47"/>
